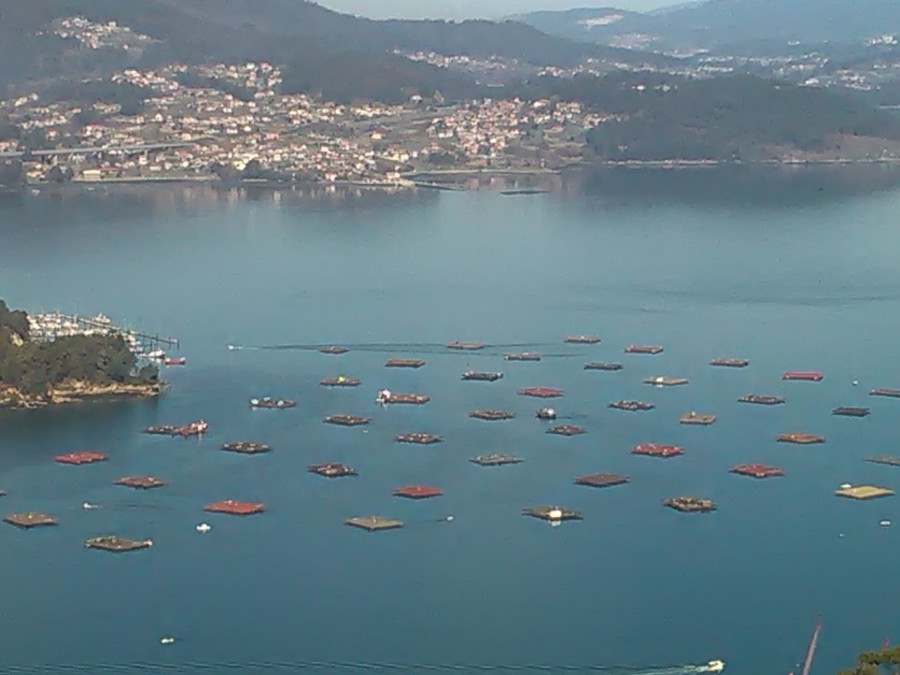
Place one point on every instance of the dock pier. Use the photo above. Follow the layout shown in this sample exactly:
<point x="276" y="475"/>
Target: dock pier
<point x="52" y="325"/>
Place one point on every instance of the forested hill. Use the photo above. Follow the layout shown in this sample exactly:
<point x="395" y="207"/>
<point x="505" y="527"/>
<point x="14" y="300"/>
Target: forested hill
<point x="31" y="367"/>
<point x="307" y="36"/>
<point x="731" y="118"/>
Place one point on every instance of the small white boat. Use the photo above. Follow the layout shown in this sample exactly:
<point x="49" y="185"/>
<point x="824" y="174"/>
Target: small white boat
<point x="885" y="523"/>
<point x="384" y="397"/>
<point x="167" y="640"/>
<point x="715" y="666"/>
<point x="203" y="528"/>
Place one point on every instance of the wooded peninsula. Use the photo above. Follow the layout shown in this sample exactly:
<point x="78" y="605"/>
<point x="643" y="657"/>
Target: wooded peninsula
<point x="37" y="373"/>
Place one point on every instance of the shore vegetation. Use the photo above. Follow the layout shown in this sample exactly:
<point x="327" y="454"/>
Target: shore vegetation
<point x="36" y="370"/>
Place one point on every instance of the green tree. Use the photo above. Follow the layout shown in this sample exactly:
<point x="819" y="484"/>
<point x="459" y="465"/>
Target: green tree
<point x="883" y="662"/>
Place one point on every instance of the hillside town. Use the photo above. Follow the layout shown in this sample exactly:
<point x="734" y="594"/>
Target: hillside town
<point x="231" y="121"/>
<point x="203" y="132"/>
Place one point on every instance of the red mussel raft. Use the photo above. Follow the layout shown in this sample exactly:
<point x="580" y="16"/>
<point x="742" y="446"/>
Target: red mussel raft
<point x="417" y="492"/>
<point x="757" y="470"/>
<point x="541" y="392"/>
<point x="657" y="450"/>
<point x="85" y="457"/>
<point x="235" y="508"/>
<point x="803" y="375"/>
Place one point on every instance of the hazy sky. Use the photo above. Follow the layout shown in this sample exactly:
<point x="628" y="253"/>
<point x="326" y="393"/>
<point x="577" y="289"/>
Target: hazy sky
<point x="461" y="9"/>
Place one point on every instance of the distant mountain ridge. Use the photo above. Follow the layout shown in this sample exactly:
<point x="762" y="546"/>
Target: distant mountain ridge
<point x="588" y="24"/>
<point x="320" y="46"/>
<point x="715" y="23"/>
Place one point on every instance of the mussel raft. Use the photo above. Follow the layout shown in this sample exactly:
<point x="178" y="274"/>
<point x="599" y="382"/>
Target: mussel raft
<point x="541" y="392"/>
<point x="476" y="376"/>
<point x="524" y="356"/>
<point x="418" y="438"/>
<point x="566" y="430"/>
<point x="246" y="447"/>
<point x="582" y="339"/>
<point x="465" y="346"/>
<point x="759" y="399"/>
<point x="404" y="363"/>
<point x="730" y="363"/>
<point x="884" y="459"/>
<point x="803" y="376"/>
<point x="663" y="381"/>
<point x="643" y="349"/>
<point x="800" y="439"/>
<point x="417" y="492"/>
<point x="83" y="457"/>
<point x="232" y="507"/>
<point x="31" y="519"/>
<point x="406" y="399"/>
<point x="690" y="504"/>
<point x="269" y="403"/>
<point x="340" y="381"/>
<point x="332" y="470"/>
<point x="657" y="450"/>
<point x="492" y="415"/>
<point x="374" y="523"/>
<point x="631" y="406"/>
<point x="115" y="544"/>
<point x="889" y="393"/>
<point x="702" y="419"/>
<point x="602" y="480"/>
<point x="603" y="366"/>
<point x="849" y="411"/>
<point x="553" y="514"/>
<point x="495" y="460"/>
<point x="864" y="492"/>
<point x="141" y="482"/>
<point x="757" y="470"/>
<point x="346" y="420"/>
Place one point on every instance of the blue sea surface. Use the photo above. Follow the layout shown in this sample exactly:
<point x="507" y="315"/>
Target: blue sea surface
<point x="791" y="272"/>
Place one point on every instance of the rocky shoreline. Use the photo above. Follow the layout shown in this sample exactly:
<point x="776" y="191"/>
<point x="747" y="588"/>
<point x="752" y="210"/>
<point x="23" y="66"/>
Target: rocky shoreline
<point x="76" y="392"/>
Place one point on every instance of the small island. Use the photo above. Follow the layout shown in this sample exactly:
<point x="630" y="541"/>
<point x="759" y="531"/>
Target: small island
<point x="38" y="373"/>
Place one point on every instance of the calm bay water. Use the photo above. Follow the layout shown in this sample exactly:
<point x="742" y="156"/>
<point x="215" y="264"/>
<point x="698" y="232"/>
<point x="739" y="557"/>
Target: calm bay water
<point x="791" y="271"/>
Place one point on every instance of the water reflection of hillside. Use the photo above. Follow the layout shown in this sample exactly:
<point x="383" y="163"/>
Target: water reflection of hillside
<point x="141" y="202"/>
<point x="751" y="186"/>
